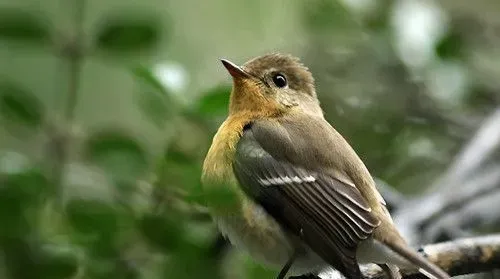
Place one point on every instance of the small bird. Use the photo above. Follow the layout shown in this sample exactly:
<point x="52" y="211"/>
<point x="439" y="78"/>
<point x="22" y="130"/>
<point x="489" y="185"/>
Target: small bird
<point x="305" y="200"/>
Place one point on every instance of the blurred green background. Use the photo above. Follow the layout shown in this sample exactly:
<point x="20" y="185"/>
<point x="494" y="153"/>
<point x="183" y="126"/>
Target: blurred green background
<point x="108" y="108"/>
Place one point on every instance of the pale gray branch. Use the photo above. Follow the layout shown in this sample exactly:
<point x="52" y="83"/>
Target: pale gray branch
<point x="480" y="214"/>
<point x="482" y="184"/>
<point x="476" y="152"/>
<point x="422" y="212"/>
<point x="465" y="180"/>
<point x="458" y="257"/>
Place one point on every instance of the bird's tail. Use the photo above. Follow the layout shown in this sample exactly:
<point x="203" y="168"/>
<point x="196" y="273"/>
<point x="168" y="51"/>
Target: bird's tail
<point x="424" y="266"/>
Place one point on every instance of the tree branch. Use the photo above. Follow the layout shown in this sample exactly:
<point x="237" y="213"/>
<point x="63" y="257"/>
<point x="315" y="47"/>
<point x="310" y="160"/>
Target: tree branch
<point x="71" y="51"/>
<point x="422" y="212"/>
<point x="476" y="152"/>
<point x="476" y="215"/>
<point x="482" y="184"/>
<point x="464" y="179"/>
<point x="458" y="257"/>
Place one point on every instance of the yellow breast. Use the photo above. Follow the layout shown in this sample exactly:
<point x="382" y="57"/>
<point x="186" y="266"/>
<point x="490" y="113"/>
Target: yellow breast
<point x="217" y="167"/>
<point x="246" y="224"/>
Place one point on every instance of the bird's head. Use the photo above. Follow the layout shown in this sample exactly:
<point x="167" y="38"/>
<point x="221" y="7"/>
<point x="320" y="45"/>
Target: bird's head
<point x="272" y="84"/>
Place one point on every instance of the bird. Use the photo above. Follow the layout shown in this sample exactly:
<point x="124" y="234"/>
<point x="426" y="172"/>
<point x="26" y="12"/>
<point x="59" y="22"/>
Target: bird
<point x="304" y="200"/>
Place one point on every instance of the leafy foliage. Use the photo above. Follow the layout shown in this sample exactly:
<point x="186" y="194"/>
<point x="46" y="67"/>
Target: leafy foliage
<point x="117" y="153"/>
<point x="23" y="26"/>
<point x="153" y="99"/>
<point x="128" y="32"/>
<point x="214" y="102"/>
<point x="451" y="46"/>
<point x="327" y="15"/>
<point x="20" y="106"/>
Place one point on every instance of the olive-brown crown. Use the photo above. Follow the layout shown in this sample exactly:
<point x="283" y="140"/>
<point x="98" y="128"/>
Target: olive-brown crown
<point x="298" y="76"/>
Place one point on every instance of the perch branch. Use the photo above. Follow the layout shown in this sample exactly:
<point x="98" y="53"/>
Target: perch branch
<point x="458" y="257"/>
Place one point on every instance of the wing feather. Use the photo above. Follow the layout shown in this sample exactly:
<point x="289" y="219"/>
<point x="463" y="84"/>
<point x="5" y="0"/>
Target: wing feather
<point x="331" y="216"/>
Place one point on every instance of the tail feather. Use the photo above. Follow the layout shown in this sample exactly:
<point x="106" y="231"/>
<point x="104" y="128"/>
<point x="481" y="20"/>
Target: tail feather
<point x="425" y="267"/>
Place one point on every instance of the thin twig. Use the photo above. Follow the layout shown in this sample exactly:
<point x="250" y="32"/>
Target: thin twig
<point x="74" y="49"/>
<point x="421" y="212"/>
<point x="483" y="184"/>
<point x="71" y="51"/>
<point x="464" y="179"/>
<point x="476" y="152"/>
<point x="480" y="215"/>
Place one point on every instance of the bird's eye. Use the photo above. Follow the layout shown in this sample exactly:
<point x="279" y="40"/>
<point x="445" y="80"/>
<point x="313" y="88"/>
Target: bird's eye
<point x="279" y="80"/>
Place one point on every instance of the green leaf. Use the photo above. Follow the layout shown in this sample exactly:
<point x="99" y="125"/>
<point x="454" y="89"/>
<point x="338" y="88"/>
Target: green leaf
<point x="175" y="155"/>
<point x="193" y="263"/>
<point x="127" y="32"/>
<point x="28" y="186"/>
<point x="146" y="76"/>
<point x="20" y="257"/>
<point x="111" y="267"/>
<point x="20" y="25"/>
<point x="180" y="168"/>
<point x="219" y="197"/>
<point x="450" y="46"/>
<point x="19" y="106"/>
<point x="481" y="98"/>
<point x="58" y="261"/>
<point x="21" y="195"/>
<point x="118" y="154"/>
<point x="163" y="232"/>
<point x="256" y="271"/>
<point x="99" y="268"/>
<point x="325" y="15"/>
<point x="93" y="217"/>
<point x="153" y="98"/>
<point x="214" y="102"/>
<point x="378" y="22"/>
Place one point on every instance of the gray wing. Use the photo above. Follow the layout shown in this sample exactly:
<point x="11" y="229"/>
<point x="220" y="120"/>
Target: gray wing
<point x="330" y="216"/>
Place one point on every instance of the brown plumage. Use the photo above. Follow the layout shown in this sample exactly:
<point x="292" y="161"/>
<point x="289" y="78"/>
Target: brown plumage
<point x="306" y="200"/>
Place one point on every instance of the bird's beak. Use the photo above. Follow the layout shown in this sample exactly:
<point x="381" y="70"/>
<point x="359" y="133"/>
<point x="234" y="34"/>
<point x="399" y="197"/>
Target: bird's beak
<point x="234" y="70"/>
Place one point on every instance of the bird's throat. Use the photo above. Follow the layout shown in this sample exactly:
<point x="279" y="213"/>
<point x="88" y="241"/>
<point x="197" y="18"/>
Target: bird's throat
<point x="247" y="97"/>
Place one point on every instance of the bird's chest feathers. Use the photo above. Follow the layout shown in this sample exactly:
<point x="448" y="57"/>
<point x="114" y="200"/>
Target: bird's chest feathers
<point x="246" y="224"/>
<point x="218" y="164"/>
<point x="217" y="168"/>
